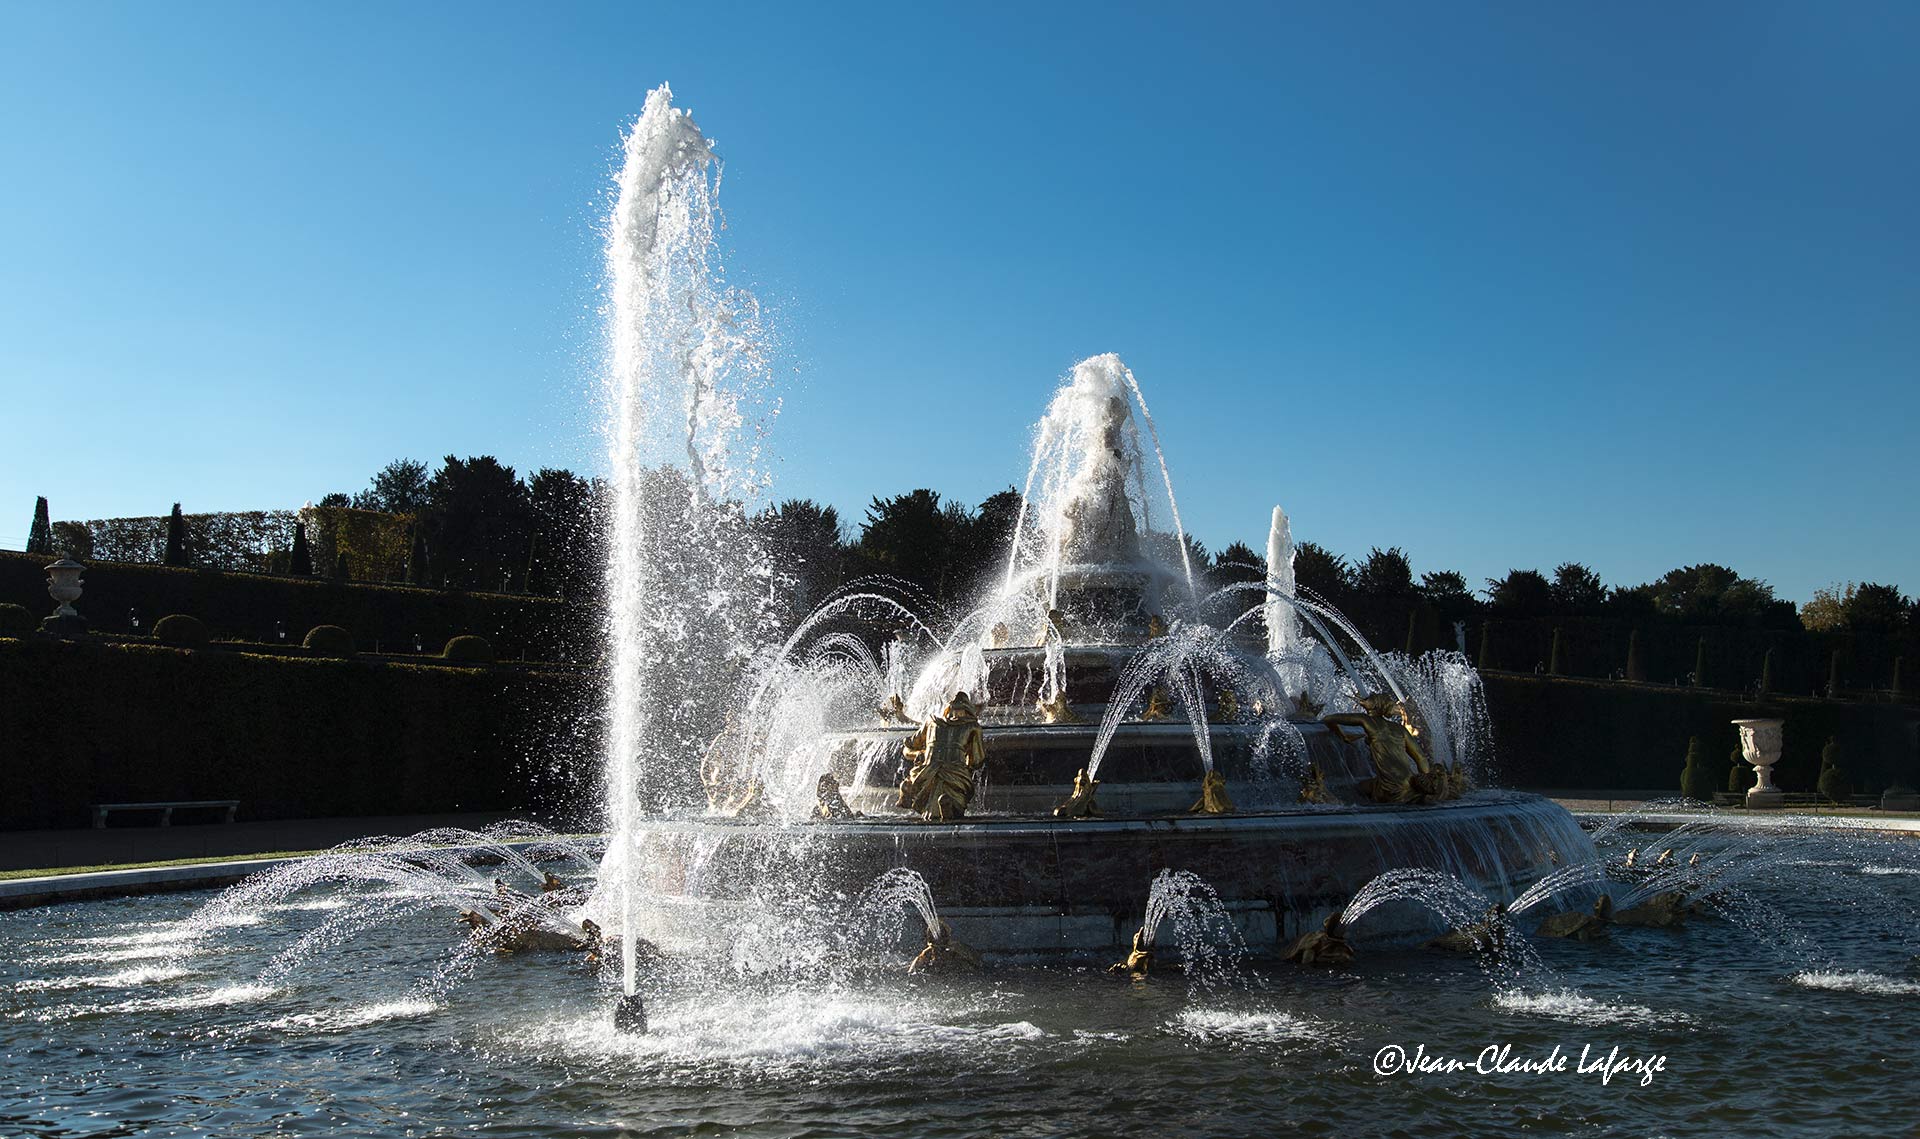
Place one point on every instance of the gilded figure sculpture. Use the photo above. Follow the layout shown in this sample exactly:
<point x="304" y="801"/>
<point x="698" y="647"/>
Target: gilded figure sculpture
<point x="1228" y="707"/>
<point x="998" y="637"/>
<point x="894" y="711"/>
<point x="1396" y="758"/>
<point x="942" y="954"/>
<point x="1159" y="704"/>
<point x="1213" y="796"/>
<point x="1156" y="627"/>
<point x="946" y="754"/>
<point x="1581" y="926"/>
<point x="1324" y="946"/>
<point x="1079" y="804"/>
<point x="1139" y="962"/>
<point x="829" y="803"/>
<point x="1056" y="710"/>
<point x="1313" y="789"/>
<point x="1489" y="933"/>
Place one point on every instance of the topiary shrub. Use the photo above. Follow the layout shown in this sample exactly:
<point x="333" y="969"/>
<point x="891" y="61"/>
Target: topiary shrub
<point x="330" y="640"/>
<point x="1740" y="777"/>
<point x="468" y="649"/>
<point x="1833" y="784"/>
<point x="15" y="621"/>
<point x="1695" y="783"/>
<point x="180" y="629"/>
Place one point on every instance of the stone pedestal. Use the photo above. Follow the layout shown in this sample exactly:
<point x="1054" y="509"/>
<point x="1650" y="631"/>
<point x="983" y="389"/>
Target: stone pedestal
<point x="1760" y="746"/>
<point x="64" y="586"/>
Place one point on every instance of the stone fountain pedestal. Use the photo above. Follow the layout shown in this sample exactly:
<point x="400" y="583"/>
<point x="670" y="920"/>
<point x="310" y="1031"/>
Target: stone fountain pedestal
<point x="1760" y="746"/>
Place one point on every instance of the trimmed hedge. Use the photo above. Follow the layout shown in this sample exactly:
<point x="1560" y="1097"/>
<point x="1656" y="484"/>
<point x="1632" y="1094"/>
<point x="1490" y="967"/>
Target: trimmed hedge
<point x="329" y="640"/>
<point x="182" y="630"/>
<point x="469" y="648"/>
<point x="255" y="607"/>
<point x="15" y="620"/>
<point x="1565" y="733"/>
<point x="289" y="736"/>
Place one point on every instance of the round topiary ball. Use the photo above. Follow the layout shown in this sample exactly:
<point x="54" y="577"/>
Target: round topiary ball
<point x="468" y="649"/>
<point x="15" y="621"/>
<point x="329" y="640"/>
<point x="180" y="629"/>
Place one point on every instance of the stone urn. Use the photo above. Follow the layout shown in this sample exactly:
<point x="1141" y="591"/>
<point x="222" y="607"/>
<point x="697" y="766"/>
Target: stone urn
<point x="1760" y="746"/>
<point x="63" y="585"/>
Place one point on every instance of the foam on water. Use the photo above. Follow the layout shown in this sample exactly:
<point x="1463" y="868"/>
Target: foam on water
<point x="197" y="1000"/>
<point x="126" y="978"/>
<point x="1246" y="1026"/>
<point x="1858" y="981"/>
<point x="1569" y="1005"/>
<point x="359" y="1016"/>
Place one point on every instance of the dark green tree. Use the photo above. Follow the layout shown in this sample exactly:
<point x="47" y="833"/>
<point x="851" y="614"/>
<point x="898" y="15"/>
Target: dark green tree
<point x="1386" y="574"/>
<point x="176" y="551"/>
<point x="1766" y="672"/>
<point x="479" y="514"/>
<point x="1833" y="783"/>
<point x="1834" y="678"/>
<point x="1556" y="660"/>
<point x="1485" y="659"/>
<point x="1696" y="782"/>
<point x="1876" y="609"/>
<point x="565" y="545"/>
<point x="908" y="536"/>
<point x="400" y="487"/>
<point x="1700" y="663"/>
<point x="1522" y="593"/>
<point x="809" y="552"/>
<point x="301" y="564"/>
<point x="1577" y="590"/>
<point x="417" y="573"/>
<point x="1317" y="568"/>
<point x="1636" y="665"/>
<point x="40" y="536"/>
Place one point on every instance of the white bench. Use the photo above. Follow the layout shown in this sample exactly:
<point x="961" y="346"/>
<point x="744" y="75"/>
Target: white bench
<point x="101" y="810"/>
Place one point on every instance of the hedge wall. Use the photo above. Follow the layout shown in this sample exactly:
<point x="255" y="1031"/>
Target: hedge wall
<point x="1558" y="732"/>
<point x="290" y="737"/>
<point x="252" y="607"/>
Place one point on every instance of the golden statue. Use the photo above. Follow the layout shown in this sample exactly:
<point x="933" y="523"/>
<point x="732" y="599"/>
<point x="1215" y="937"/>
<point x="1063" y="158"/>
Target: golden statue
<point x="997" y="637"/>
<point x="1156" y="626"/>
<point x="945" y="753"/>
<point x="1079" y="804"/>
<point x="1632" y="853"/>
<point x="829" y="803"/>
<point x="1159" y="704"/>
<point x="1313" y="789"/>
<point x="1397" y="760"/>
<point x="1664" y="910"/>
<point x="1580" y="926"/>
<point x="1213" y="796"/>
<point x="943" y="954"/>
<point x="1324" y="946"/>
<point x="1139" y="962"/>
<point x="1489" y="933"/>
<point x="1229" y="707"/>
<point x="894" y="711"/>
<point x="1056" y="710"/>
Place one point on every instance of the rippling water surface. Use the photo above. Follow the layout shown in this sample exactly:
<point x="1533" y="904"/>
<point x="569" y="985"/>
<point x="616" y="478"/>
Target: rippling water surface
<point x="117" y="1020"/>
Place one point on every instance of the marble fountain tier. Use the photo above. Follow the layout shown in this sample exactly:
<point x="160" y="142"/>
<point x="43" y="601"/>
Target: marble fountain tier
<point x="1027" y="869"/>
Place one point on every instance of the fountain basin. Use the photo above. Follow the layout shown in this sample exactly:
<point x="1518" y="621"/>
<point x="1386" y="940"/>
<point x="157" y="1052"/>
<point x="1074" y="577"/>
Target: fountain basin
<point x="1036" y="885"/>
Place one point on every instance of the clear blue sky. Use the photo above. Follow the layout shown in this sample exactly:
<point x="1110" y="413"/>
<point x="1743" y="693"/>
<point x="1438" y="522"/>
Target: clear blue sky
<point x="1631" y="284"/>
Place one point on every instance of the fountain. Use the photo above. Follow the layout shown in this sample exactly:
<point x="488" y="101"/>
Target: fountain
<point x="744" y="766"/>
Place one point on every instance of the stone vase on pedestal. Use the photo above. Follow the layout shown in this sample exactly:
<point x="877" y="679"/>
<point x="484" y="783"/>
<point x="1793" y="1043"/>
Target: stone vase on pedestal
<point x="64" y="586"/>
<point x="1760" y="746"/>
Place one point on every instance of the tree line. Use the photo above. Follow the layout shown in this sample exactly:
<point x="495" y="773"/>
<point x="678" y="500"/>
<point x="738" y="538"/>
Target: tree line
<point x="475" y="523"/>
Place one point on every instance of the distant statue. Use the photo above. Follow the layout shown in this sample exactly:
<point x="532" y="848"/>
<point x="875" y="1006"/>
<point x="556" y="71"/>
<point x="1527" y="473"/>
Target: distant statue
<point x="1228" y="708"/>
<point x="1324" y="946"/>
<point x="1580" y="926"/>
<point x="1156" y="626"/>
<point x="726" y="774"/>
<point x="1159" y="704"/>
<point x="1306" y="707"/>
<point x="1057" y="710"/>
<point x="894" y="711"/>
<point x="1079" y="804"/>
<point x="828" y="802"/>
<point x="1488" y="934"/>
<point x="549" y="882"/>
<point x="943" y="954"/>
<point x="998" y="636"/>
<point x="1213" y="796"/>
<point x="946" y="753"/>
<point x="1139" y="962"/>
<point x="1665" y="910"/>
<point x="1397" y="759"/>
<point x="1313" y="789"/>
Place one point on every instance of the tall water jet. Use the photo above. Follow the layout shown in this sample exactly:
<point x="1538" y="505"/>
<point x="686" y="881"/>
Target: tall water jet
<point x="684" y="360"/>
<point x="1283" y="626"/>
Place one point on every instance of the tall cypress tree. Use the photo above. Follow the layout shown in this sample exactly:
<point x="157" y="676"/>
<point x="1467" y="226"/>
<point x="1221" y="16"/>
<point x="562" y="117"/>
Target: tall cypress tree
<point x="1636" y="668"/>
<point x="176" y="554"/>
<point x="1700" y="664"/>
<point x="302" y="560"/>
<point x="1766" y="673"/>
<point x="40" y="537"/>
<point x="1556" y="660"/>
